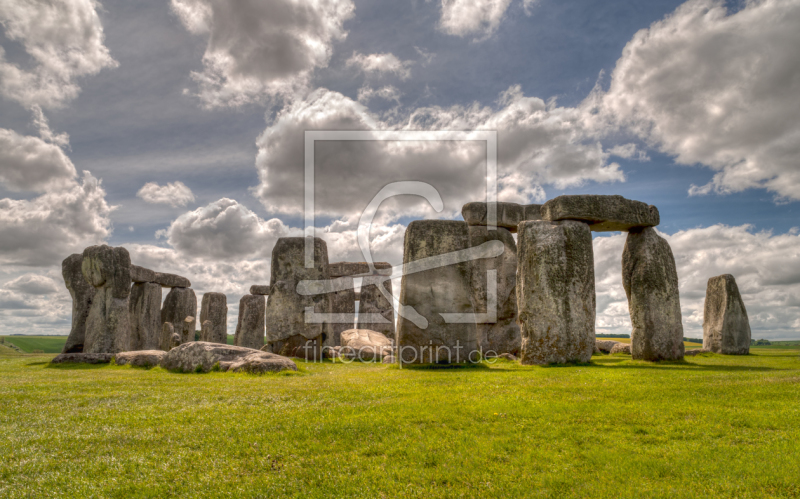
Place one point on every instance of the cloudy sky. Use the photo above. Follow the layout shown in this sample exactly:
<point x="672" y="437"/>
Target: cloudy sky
<point x="175" y="128"/>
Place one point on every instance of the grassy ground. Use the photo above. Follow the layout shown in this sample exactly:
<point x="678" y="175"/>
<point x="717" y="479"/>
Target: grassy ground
<point x="47" y="344"/>
<point x="713" y="425"/>
<point x="687" y="344"/>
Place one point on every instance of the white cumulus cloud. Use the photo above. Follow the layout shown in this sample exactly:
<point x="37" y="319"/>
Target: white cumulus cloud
<point x="473" y="17"/>
<point x="31" y="164"/>
<point x="380" y="64"/>
<point x="33" y="284"/>
<point x="174" y="194"/>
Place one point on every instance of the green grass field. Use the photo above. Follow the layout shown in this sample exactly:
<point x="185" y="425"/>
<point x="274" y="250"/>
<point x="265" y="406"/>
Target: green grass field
<point x="47" y="344"/>
<point x="711" y="426"/>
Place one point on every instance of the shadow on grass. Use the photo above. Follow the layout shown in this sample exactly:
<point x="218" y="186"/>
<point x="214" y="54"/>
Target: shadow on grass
<point x="71" y="366"/>
<point x="445" y="367"/>
<point x="617" y="363"/>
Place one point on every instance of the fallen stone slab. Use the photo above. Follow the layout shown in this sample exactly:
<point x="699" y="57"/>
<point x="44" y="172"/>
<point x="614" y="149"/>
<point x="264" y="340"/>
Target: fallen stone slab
<point x="621" y="348"/>
<point x="83" y="358"/>
<point x="107" y="325"/>
<point x="650" y="280"/>
<point x="141" y="274"/>
<point x="82" y="294"/>
<point x="555" y="292"/>
<point x="389" y="359"/>
<point x="300" y="347"/>
<point x="509" y="215"/>
<point x="203" y="356"/>
<point x="259" y="289"/>
<point x="605" y="346"/>
<point x="363" y="344"/>
<point x="140" y="358"/>
<point x="443" y="289"/>
<point x="726" y="327"/>
<point x="145" y="316"/>
<point x="250" y="324"/>
<point x="696" y="351"/>
<point x="214" y="311"/>
<point x="172" y="281"/>
<point x="507" y="356"/>
<point x="602" y="213"/>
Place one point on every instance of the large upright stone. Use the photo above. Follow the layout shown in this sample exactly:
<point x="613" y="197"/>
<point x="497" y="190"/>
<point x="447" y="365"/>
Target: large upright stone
<point x="107" y="325"/>
<point x="602" y="213"/>
<point x="509" y="215"/>
<point x="82" y="294"/>
<point x="502" y="335"/>
<point x="250" y="325"/>
<point x="373" y="304"/>
<point x="343" y="305"/>
<point x="287" y="324"/>
<point x="180" y="309"/>
<point x="651" y="284"/>
<point x="726" y="328"/>
<point x="145" y="316"/>
<point x="214" y="308"/>
<point x="555" y="292"/>
<point x="443" y="289"/>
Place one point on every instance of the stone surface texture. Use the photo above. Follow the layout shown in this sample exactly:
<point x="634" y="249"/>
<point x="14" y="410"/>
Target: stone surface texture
<point x="605" y="346"/>
<point x="141" y="274"/>
<point x="372" y="301"/>
<point x="214" y="309"/>
<point x="509" y="215"/>
<point x="250" y="325"/>
<point x="501" y="336"/>
<point x="107" y="325"/>
<point x="145" y="316"/>
<point x="299" y="346"/>
<point x="82" y="358"/>
<point x="621" y="348"/>
<point x="650" y="280"/>
<point x="363" y="344"/>
<point x="726" y="328"/>
<point x="343" y="304"/>
<point x="82" y="294"/>
<point x="602" y="213"/>
<point x="140" y="358"/>
<point x="172" y="281"/>
<point x="167" y="330"/>
<point x="180" y="309"/>
<point x="203" y="356"/>
<point x="555" y="292"/>
<point x="259" y="289"/>
<point x="445" y="289"/>
<point x="286" y="308"/>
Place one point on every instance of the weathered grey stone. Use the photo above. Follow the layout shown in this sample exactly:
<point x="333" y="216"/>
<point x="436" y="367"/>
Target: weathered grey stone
<point x="621" y="348"/>
<point x="298" y="346"/>
<point x="696" y="351"/>
<point x="82" y="294"/>
<point x="605" y="346"/>
<point x="180" y="309"/>
<point x="259" y="289"/>
<point x="651" y="284"/>
<point x="509" y="215"/>
<point x="140" y="358"/>
<point x="172" y="281"/>
<point x="145" y="316"/>
<point x="167" y="332"/>
<point x="214" y="309"/>
<point x="141" y="274"/>
<point x="507" y="356"/>
<point x="83" y="358"/>
<point x="602" y="213"/>
<point x="372" y="303"/>
<point x="389" y="359"/>
<point x="555" y="292"/>
<point x="726" y="328"/>
<point x="250" y="326"/>
<point x="444" y="289"/>
<point x="502" y="335"/>
<point x="174" y="340"/>
<point x="286" y="308"/>
<point x="203" y="356"/>
<point x="349" y="269"/>
<point x="363" y="344"/>
<point x="107" y="325"/>
<point x="343" y="304"/>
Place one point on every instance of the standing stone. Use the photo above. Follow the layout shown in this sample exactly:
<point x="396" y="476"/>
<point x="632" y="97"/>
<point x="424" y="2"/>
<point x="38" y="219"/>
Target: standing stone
<point x="250" y="325"/>
<point x="180" y="308"/>
<point x="82" y="293"/>
<point x="145" y="316"/>
<point x="214" y="308"/>
<point x="602" y="213"/>
<point x="287" y="324"/>
<point x="555" y="292"/>
<point x="651" y="284"/>
<point x="501" y="336"/>
<point x="444" y="289"/>
<point x="167" y="333"/>
<point x="343" y="304"/>
<point x="107" y="325"/>
<point x="726" y="328"/>
<point x="372" y="301"/>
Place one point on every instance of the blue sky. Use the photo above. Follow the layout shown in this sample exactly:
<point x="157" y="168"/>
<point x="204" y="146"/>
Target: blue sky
<point x="642" y="99"/>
